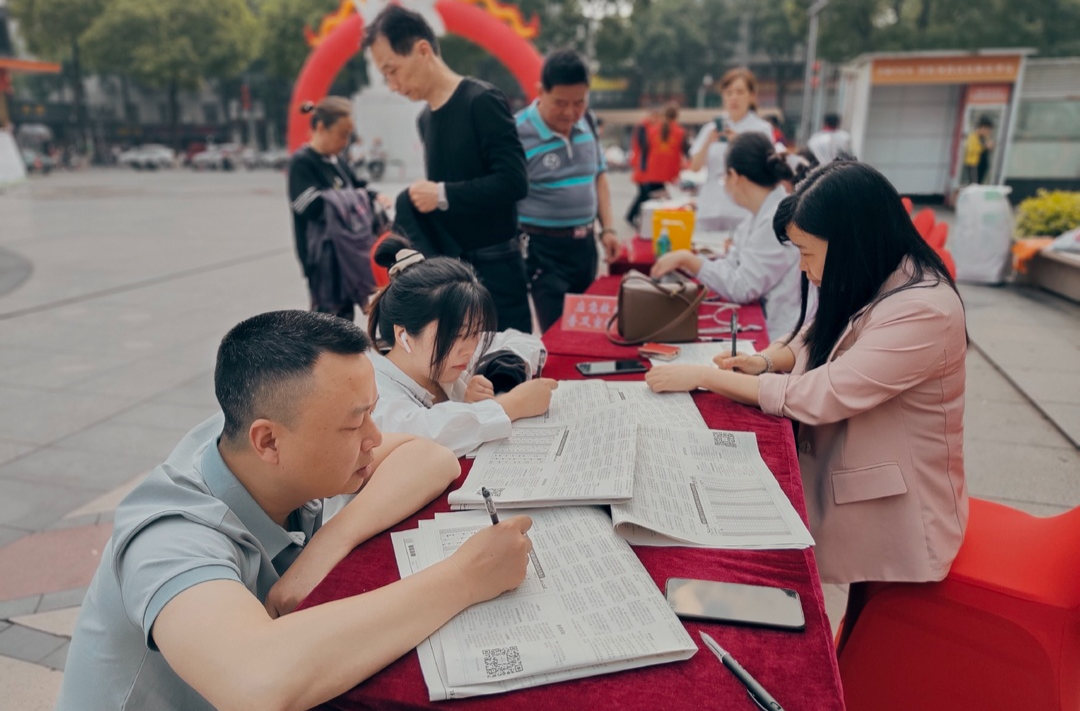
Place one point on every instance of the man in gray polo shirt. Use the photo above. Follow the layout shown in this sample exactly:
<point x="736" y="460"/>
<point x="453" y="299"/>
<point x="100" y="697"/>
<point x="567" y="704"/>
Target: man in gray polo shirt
<point x="185" y="611"/>
<point x="568" y="187"/>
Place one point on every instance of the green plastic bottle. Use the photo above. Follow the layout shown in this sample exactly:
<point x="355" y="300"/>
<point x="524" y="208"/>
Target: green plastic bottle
<point x="663" y="242"/>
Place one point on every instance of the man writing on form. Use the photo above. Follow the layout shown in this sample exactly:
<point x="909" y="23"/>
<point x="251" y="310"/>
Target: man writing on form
<point x="183" y="612"/>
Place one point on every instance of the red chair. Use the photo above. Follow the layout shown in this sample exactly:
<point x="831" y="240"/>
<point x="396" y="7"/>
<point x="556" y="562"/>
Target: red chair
<point x="924" y="221"/>
<point x="950" y="263"/>
<point x="939" y="234"/>
<point x="381" y="274"/>
<point x="908" y="205"/>
<point x="1001" y="632"/>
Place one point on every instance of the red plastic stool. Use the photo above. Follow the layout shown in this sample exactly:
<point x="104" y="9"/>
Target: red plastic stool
<point x="1001" y="632"/>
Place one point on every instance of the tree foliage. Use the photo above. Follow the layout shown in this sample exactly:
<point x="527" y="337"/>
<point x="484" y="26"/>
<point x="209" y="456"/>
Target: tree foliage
<point x="173" y="43"/>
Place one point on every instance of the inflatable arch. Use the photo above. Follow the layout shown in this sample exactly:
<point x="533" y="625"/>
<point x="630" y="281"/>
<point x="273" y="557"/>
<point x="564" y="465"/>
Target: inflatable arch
<point x="466" y="20"/>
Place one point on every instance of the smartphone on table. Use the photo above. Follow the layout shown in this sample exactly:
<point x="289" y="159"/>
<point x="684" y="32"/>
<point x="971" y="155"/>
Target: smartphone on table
<point x="611" y="367"/>
<point x="755" y="605"/>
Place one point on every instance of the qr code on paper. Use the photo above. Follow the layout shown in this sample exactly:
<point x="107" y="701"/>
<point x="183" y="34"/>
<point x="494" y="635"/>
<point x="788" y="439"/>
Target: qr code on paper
<point x="501" y="661"/>
<point x="724" y="439"/>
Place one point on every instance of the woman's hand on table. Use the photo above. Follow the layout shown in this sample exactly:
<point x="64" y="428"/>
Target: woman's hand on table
<point x="494" y="559"/>
<point x="677" y="378"/>
<point x="749" y="364"/>
<point x="479" y="388"/>
<point x="682" y="259"/>
<point x="529" y="399"/>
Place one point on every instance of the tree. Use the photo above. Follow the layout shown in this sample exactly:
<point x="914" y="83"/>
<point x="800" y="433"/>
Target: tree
<point x="53" y="29"/>
<point x="172" y="44"/>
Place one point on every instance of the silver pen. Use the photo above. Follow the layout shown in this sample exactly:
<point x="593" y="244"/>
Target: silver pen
<point x="757" y="692"/>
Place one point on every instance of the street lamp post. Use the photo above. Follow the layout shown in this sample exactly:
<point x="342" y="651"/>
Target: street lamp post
<point x="811" y="57"/>
<point x="706" y="82"/>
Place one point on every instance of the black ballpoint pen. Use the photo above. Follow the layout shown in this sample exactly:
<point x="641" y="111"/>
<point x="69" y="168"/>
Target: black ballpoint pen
<point x="490" y="505"/>
<point x="734" y="333"/>
<point x="757" y="692"/>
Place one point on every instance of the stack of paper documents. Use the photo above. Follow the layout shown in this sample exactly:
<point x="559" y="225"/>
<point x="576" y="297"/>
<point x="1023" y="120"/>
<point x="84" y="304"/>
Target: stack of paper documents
<point x="667" y="486"/>
<point x="708" y="489"/>
<point x="588" y="608"/>
<point x="587" y="461"/>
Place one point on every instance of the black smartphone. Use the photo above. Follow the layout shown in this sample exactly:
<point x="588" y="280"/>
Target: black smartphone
<point x="611" y="367"/>
<point x="754" y="605"/>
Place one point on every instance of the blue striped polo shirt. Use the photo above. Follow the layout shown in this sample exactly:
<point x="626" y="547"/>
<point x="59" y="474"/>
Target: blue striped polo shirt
<point x="562" y="172"/>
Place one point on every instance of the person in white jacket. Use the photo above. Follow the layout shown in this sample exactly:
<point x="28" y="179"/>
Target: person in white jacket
<point x="756" y="266"/>
<point x="432" y="322"/>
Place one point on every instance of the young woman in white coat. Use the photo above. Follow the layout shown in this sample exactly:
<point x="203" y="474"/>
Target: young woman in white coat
<point x="434" y="320"/>
<point x="757" y="266"/>
<point x="715" y="210"/>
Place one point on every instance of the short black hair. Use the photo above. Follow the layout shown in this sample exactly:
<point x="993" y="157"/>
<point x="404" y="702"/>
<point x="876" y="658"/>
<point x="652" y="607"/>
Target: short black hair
<point x="832" y="121"/>
<point x="265" y="363"/>
<point x="402" y="29"/>
<point x="564" y="67"/>
<point x="985" y="122"/>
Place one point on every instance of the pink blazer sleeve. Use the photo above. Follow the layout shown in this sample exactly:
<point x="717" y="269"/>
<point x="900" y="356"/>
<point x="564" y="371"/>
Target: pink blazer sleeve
<point x="901" y="342"/>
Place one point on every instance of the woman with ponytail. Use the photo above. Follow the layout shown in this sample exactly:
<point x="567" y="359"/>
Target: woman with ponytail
<point x="432" y="324"/>
<point x="756" y="266"/>
<point x="876" y="384"/>
<point x="315" y="171"/>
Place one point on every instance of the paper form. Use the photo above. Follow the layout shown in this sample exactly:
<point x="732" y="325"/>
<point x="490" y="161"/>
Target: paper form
<point x="709" y="489"/>
<point x="703" y="353"/>
<point x="590" y="461"/>
<point x="576" y="398"/>
<point x="596" y="610"/>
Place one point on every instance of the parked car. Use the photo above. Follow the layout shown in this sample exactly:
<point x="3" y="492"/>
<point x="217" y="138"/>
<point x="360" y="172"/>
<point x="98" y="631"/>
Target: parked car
<point x="37" y="162"/>
<point x="150" y="156"/>
<point x="224" y="156"/>
<point x="276" y="159"/>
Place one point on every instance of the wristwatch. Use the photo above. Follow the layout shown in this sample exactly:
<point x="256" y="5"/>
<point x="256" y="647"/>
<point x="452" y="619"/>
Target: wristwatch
<point x="444" y="204"/>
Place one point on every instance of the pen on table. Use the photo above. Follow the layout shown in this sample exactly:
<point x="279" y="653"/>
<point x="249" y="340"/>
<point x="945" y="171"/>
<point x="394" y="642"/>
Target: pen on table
<point x="734" y="332"/>
<point x="757" y="692"/>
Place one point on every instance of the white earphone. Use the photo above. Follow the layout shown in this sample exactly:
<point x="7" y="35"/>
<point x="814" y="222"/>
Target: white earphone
<point x="405" y="342"/>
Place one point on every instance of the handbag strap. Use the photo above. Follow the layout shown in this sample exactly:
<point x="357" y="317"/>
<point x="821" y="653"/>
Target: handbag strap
<point x="691" y="308"/>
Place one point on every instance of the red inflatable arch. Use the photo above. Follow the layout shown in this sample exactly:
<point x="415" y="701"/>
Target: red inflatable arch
<point x="462" y="19"/>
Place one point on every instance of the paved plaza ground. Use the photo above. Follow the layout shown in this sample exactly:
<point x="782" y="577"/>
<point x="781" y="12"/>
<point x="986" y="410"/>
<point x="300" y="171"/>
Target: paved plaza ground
<point x="116" y="287"/>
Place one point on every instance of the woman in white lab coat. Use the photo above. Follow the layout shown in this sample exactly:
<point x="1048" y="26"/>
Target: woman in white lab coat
<point x="715" y="210"/>
<point x="431" y="323"/>
<point x="756" y="265"/>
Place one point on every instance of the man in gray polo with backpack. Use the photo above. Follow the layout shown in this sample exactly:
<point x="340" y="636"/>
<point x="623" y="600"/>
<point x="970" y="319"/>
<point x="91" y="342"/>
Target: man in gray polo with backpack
<point x="568" y="187"/>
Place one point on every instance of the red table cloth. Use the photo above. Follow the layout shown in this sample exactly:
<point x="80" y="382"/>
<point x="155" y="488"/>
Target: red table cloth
<point x="798" y="668"/>
<point x="636" y="253"/>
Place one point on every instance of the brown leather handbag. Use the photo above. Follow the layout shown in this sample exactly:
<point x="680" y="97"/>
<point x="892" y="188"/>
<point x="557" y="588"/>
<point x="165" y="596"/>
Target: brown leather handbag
<point x="652" y="310"/>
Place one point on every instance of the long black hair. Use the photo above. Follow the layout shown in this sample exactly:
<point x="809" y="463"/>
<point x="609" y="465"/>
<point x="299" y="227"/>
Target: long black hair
<point x="441" y="290"/>
<point x="858" y="212"/>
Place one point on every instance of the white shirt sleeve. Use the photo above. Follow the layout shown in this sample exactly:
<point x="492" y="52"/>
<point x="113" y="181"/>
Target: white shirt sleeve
<point x="459" y="426"/>
<point x="702" y="135"/>
<point x="752" y="268"/>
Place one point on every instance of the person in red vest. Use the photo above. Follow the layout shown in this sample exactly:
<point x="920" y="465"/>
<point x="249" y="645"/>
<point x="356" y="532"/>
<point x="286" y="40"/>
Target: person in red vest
<point x="639" y="160"/>
<point x="665" y="142"/>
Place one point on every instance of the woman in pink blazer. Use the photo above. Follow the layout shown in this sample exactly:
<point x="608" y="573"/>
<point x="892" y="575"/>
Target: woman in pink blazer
<point x="875" y="383"/>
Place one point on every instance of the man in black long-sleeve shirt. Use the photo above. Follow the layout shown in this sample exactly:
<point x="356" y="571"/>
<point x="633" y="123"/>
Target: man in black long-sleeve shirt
<point x="475" y="164"/>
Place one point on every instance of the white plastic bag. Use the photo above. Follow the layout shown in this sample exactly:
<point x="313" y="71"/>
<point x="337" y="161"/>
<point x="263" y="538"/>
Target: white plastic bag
<point x="982" y="241"/>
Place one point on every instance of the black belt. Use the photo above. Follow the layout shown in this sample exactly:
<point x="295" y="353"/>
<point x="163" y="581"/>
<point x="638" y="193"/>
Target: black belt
<point x="495" y="253"/>
<point x="578" y="232"/>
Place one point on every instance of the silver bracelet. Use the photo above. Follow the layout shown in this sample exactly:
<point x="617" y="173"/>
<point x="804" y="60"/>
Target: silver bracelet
<point x="768" y="362"/>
